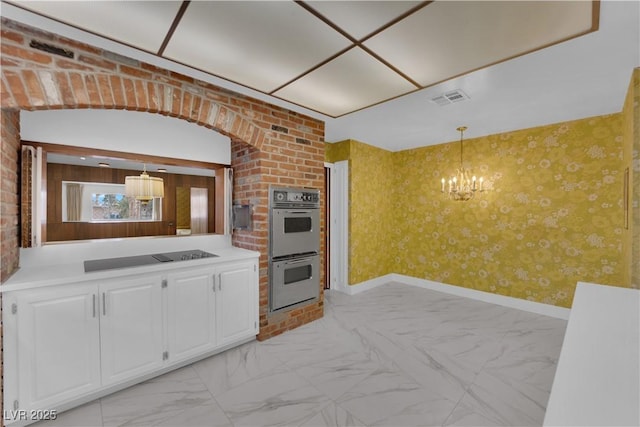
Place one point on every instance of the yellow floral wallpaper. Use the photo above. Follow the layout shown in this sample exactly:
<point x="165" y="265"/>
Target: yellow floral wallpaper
<point x="631" y="113"/>
<point x="371" y="212"/>
<point x="551" y="216"/>
<point x="371" y="182"/>
<point x="337" y="152"/>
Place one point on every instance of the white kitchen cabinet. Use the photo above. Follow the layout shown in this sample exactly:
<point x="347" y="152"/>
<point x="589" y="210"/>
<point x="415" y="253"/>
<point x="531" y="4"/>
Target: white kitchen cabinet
<point x="211" y="307"/>
<point x="190" y="313"/>
<point x="236" y="301"/>
<point x="66" y="343"/>
<point x="74" y="339"/>
<point x="58" y="344"/>
<point x="130" y="327"/>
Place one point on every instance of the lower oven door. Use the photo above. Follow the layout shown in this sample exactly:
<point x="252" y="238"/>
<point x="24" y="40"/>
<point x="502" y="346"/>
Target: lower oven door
<point x="294" y="281"/>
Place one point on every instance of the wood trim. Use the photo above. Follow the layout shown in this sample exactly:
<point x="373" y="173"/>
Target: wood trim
<point x="142" y="158"/>
<point x="66" y="231"/>
<point x="595" y="15"/>
<point x="356" y="43"/>
<point x="595" y="23"/>
<point x="43" y="192"/>
<point x="219" y="201"/>
<point x="396" y="20"/>
<point x="174" y="25"/>
<point x="312" y="69"/>
<point x="216" y="194"/>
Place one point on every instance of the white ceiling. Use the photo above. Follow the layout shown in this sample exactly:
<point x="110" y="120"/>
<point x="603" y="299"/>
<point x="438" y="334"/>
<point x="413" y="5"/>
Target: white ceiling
<point x="370" y="68"/>
<point x="154" y="169"/>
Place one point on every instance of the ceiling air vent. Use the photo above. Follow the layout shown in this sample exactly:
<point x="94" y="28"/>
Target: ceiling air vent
<point x="51" y="49"/>
<point x="450" y="97"/>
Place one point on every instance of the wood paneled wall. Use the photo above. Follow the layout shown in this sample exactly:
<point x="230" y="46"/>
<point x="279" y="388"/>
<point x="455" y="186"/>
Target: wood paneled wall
<point x="61" y="231"/>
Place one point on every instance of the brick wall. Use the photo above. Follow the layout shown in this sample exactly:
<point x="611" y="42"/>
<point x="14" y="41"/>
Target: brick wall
<point x="254" y="171"/>
<point x="9" y="205"/>
<point x="270" y="145"/>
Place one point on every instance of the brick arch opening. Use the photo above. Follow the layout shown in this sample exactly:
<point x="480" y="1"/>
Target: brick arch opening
<point x="45" y="90"/>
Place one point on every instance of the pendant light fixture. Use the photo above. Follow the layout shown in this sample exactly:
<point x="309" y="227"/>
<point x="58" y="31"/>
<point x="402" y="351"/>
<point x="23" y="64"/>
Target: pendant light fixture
<point x="144" y="187"/>
<point x="462" y="186"/>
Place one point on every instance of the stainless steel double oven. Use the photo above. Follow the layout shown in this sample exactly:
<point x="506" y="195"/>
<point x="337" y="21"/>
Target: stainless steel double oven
<point x="294" y="247"/>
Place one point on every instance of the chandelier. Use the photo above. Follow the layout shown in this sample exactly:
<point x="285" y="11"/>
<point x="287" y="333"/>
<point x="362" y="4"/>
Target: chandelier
<point x="462" y="186"/>
<point x="143" y="187"/>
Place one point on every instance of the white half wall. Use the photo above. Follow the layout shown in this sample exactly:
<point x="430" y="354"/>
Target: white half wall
<point x="597" y="380"/>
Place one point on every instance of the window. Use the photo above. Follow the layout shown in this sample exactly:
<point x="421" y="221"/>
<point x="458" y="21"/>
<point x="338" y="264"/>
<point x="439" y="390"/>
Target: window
<point x="104" y="202"/>
<point x="117" y="207"/>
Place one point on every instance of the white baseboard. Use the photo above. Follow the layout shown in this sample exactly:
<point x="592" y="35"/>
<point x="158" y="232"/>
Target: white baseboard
<point x="505" y="301"/>
<point x="366" y="285"/>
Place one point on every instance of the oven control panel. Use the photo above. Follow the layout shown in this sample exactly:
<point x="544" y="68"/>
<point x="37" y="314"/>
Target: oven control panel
<point x="298" y="196"/>
<point x="295" y="197"/>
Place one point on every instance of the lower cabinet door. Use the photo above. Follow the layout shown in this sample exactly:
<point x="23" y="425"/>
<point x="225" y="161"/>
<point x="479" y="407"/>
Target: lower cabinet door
<point x="190" y="317"/>
<point x="58" y="345"/>
<point x="130" y="328"/>
<point x="237" y="302"/>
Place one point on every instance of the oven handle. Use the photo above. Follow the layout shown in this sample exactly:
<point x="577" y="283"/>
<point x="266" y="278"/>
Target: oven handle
<point x="299" y="212"/>
<point x="298" y="261"/>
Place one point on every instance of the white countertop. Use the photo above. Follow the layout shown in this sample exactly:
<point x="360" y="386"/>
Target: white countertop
<point x="64" y="264"/>
<point x="597" y="381"/>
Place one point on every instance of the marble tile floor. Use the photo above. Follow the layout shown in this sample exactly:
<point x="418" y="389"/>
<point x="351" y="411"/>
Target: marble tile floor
<point x="395" y="355"/>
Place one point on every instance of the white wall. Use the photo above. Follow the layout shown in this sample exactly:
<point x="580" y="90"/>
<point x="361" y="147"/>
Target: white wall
<point x="126" y="131"/>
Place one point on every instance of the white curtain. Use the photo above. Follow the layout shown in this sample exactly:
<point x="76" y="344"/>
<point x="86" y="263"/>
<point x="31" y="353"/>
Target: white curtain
<point x="74" y="202"/>
<point x="199" y="205"/>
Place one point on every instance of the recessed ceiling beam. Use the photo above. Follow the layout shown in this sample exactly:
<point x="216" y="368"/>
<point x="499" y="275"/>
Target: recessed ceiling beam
<point x="174" y="25"/>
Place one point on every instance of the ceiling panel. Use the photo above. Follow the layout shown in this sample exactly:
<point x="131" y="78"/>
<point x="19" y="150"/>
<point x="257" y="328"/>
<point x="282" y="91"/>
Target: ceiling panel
<point x="262" y="45"/>
<point x="450" y="38"/>
<point x="117" y="20"/>
<point x="361" y="18"/>
<point x="350" y="82"/>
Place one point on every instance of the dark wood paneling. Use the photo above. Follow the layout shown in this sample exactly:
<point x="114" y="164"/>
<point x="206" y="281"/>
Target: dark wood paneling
<point x="60" y="231"/>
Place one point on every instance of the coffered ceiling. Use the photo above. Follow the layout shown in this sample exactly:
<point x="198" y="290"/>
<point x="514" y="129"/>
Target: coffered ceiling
<point x="360" y="65"/>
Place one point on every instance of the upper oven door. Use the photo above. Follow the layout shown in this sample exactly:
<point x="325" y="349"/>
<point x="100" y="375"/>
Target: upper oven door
<point x="294" y="231"/>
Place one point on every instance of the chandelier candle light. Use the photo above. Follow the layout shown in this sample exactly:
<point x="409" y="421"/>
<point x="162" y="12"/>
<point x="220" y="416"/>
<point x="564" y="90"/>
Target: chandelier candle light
<point x="462" y="185"/>
<point x="144" y="187"/>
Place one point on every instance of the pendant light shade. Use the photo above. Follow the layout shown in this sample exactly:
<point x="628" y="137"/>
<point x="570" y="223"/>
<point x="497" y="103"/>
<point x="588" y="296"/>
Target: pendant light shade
<point x="144" y="187"/>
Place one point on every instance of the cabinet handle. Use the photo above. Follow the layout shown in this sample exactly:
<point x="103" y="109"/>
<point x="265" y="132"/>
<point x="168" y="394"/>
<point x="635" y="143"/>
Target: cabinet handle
<point x="94" y="305"/>
<point x="104" y="304"/>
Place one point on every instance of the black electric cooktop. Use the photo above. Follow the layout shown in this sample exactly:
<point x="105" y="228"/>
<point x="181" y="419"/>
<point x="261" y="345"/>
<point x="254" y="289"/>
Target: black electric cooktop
<point x="139" y="260"/>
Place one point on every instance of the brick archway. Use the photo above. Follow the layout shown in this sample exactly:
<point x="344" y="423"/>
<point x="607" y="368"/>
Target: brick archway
<point x="44" y="89"/>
